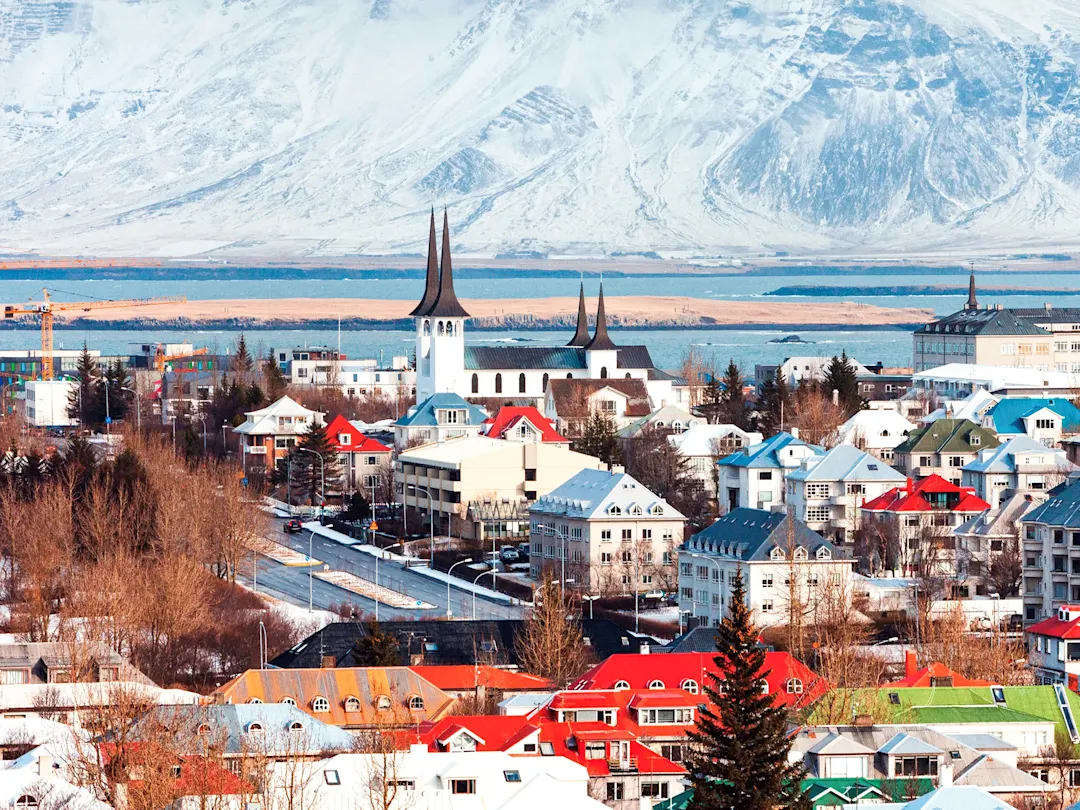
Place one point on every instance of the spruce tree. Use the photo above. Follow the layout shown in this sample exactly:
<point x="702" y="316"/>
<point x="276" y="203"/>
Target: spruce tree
<point x="732" y="409"/>
<point x="740" y="758"/>
<point x="119" y="399"/>
<point x="840" y="376"/>
<point x="774" y="404"/>
<point x="598" y="438"/>
<point x="83" y="401"/>
<point x="375" y="648"/>
<point x="274" y="378"/>
<point x="308" y="475"/>
<point x="242" y="362"/>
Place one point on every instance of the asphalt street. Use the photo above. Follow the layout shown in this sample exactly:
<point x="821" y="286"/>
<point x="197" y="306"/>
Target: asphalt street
<point x="291" y="583"/>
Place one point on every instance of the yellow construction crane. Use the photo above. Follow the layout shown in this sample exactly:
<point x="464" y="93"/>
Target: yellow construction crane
<point x="48" y="308"/>
<point x="161" y="359"/>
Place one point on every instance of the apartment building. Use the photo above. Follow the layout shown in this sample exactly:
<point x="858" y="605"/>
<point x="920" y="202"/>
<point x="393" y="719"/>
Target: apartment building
<point x="570" y="402"/>
<point x="1045" y="419"/>
<point x="1054" y="648"/>
<point x="607" y="532"/>
<point x="753" y="478"/>
<point x="1051" y="554"/>
<point x="268" y="433"/>
<point x="942" y="448"/>
<point x="703" y="445"/>
<point x="826" y="491"/>
<point x="1019" y="466"/>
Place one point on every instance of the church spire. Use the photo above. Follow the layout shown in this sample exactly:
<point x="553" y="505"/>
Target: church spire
<point x="971" y="302"/>
<point x="447" y="304"/>
<point x="581" y="336"/>
<point x="600" y="340"/>
<point x="431" y="286"/>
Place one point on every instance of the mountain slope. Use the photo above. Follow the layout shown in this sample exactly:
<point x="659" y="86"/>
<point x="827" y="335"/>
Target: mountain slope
<point x="713" y="127"/>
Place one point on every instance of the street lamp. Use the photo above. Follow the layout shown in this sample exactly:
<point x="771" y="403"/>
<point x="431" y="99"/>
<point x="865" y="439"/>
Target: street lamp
<point x="719" y="583"/>
<point x="431" y="517"/>
<point x="480" y="577"/>
<point x="311" y="565"/>
<point x="322" y="472"/>
<point x="590" y="598"/>
<point x="449" y="571"/>
<point x="138" y="408"/>
<point x="562" y="561"/>
<point x="374" y="527"/>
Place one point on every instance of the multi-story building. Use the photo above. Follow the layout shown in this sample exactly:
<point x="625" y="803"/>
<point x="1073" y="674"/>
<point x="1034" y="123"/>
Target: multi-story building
<point x="516" y="423"/>
<point x="46" y="403"/>
<point x="982" y="538"/>
<point x="825" y="492"/>
<point x="25" y="364"/>
<point x="1051" y="554"/>
<point x="785" y="566"/>
<point x="607" y="532"/>
<point x="942" y="448"/>
<point x="364" y="462"/>
<point x="1046" y="419"/>
<point x="268" y="433"/>
<point x="463" y="478"/>
<point x="1020" y="465"/>
<point x="570" y="403"/>
<point x="753" y="477"/>
<point x="1054" y="648"/>
<point x="438" y="418"/>
<point x="882" y="384"/>
<point x="322" y="365"/>
<point x="704" y="445"/>
<point x="877" y="431"/>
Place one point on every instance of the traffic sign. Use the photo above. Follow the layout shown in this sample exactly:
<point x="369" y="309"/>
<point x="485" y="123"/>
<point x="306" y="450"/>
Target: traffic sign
<point x="108" y="420"/>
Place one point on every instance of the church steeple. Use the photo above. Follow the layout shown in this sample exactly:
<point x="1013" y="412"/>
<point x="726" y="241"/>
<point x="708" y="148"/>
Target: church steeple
<point x="431" y="287"/>
<point x="446" y="304"/>
<point x="581" y="336"/>
<point x="971" y="302"/>
<point x="600" y="340"/>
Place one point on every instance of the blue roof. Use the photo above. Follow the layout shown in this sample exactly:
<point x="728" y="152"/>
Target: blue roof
<point x="423" y="414"/>
<point x="1061" y="510"/>
<point x="1008" y="415"/>
<point x="764" y="454"/>
<point x="1002" y="459"/>
<point x="844" y="463"/>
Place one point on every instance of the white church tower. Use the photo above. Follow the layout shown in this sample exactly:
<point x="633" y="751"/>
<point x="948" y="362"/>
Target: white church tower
<point x="440" y="325"/>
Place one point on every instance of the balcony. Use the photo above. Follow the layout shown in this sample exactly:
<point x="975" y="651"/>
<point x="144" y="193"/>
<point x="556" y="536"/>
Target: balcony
<point x="255" y="449"/>
<point x="623" y="765"/>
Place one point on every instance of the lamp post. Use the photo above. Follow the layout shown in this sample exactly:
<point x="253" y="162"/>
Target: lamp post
<point x="322" y="473"/>
<point x="449" y="571"/>
<point x="719" y="583"/>
<point x="431" y="517"/>
<point x="374" y="527"/>
<point x="138" y="407"/>
<point x="108" y="417"/>
<point x="311" y="565"/>
<point x="590" y="598"/>
<point x="480" y="577"/>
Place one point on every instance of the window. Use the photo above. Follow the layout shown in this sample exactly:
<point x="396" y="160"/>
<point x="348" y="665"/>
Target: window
<point x="627" y="535"/>
<point x="672" y="751"/>
<point x="460" y="786"/>
<point x="766" y="605"/>
<point x="915" y="766"/>
<point x="605" y="558"/>
<point x="26" y="802"/>
<point x="332" y="777"/>
<point x="595" y="749"/>
<point x="498" y="383"/>
<point x="320" y="704"/>
<point x="352" y="704"/>
<point x="767" y="581"/>
<point x="605" y="534"/>
<point x="296" y="727"/>
<point x="254" y="728"/>
<point x="621" y="686"/>
<point x="476" y="383"/>
<point x="288" y="701"/>
<point x="657" y="790"/>
<point x="817" y="514"/>
<point x="614" y="791"/>
<point x="416" y="703"/>
<point x="521" y="383"/>
<point x="547" y="749"/>
<point x="817" y="490"/>
<point x="383" y="703"/>
<point x="956" y="461"/>
<point x="607" y="405"/>
<point x="689" y="686"/>
<point x="203" y="729"/>
<point x="656" y="684"/>
<point x="14" y="676"/>
<point x="794" y="686"/>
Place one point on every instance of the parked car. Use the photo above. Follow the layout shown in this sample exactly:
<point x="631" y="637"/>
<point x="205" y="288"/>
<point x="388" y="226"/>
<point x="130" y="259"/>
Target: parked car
<point x="1013" y="623"/>
<point x="981" y="623"/>
<point x="509" y="554"/>
<point x="292" y="526"/>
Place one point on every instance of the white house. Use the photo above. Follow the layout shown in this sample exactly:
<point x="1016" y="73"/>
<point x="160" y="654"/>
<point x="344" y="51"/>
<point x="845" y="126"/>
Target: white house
<point x="1045" y="419"/>
<point x="797" y="369"/>
<point x="438" y="418"/>
<point x="754" y="477"/>
<point x="1019" y="466"/>
<point x="769" y="549"/>
<point x="46" y="403"/>
<point x="703" y="445"/>
<point x="825" y="492"/>
<point x="268" y="433"/>
<point x="876" y="430"/>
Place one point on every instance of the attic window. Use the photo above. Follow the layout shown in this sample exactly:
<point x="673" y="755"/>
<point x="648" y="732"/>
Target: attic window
<point x="26" y="801"/>
<point x="253" y="701"/>
<point x="823" y="553"/>
<point x="332" y="777"/>
<point x="689" y="686"/>
<point x="383" y="703"/>
<point x="998" y="693"/>
<point x="512" y="776"/>
<point x="296" y="726"/>
<point x="203" y="730"/>
<point x="656" y="684"/>
<point x="800" y="553"/>
<point x="416" y="703"/>
<point x="635" y="510"/>
<point x="546" y="749"/>
<point x="320" y="704"/>
<point x="352" y="704"/>
<point x="614" y="509"/>
<point x="954" y="754"/>
<point x="894" y="698"/>
<point x="254" y="728"/>
<point x="975" y="440"/>
<point x="621" y="686"/>
<point x="288" y="701"/>
<point x="794" y="686"/>
<point x="874" y="467"/>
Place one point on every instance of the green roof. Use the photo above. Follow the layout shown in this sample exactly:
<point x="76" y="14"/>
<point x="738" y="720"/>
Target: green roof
<point x="834" y="792"/>
<point x="948" y="436"/>
<point x="947" y="715"/>
<point x="677" y="802"/>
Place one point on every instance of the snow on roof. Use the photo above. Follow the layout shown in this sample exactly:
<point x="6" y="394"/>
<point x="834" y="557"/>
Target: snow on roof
<point x="1003" y="457"/>
<point x="766" y="454"/>
<point x="266" y="421"/>
<point x="602" y="494"/>
<point x="958" y="797"/>
<point x="698" y="439"/>
<point x="995" y="377"/>
<point x="845" y="463"/>
<point x="875" y="429"/>
<point x="972" y="407"/>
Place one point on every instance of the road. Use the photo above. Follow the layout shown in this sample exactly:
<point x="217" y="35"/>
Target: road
<point x="291" y="583"/>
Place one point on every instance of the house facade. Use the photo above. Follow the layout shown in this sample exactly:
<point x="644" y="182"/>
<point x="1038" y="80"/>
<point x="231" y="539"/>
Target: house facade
<point x="364" y="462"/>
<point x="1047" y="420"/>
<point x="1051" y="554"/>
<point x="942" y="448"/>
<point x="703" y="445"/>
<point x="438" y="418"/>
<point x="570" y="403"/>
<point x="753" y="478"/>
<point x="1020" y="465"/>
<point x="268" y="433"/>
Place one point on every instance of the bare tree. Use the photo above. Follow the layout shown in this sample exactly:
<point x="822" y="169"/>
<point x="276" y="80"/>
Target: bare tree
<point x="550" y="643"/>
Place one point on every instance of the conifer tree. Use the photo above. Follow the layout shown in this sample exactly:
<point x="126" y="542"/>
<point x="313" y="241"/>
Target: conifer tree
<point x="274" y="378"/>
<point x="308" y="475"/>
<point x="242" y="362"/>
<point x="840" y="376"/>
<point x="774" y="404"/>
<point x="598" y="438"/>
<point x="740" y="757"/>
<point x="732" y="409"/>
<point x="83" y="399"/>
<point x="375" y="648"/>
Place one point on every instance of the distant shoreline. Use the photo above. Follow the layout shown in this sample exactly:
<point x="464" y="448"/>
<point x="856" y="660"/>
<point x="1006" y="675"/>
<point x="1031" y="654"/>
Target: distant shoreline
<point x="929" y="290"/>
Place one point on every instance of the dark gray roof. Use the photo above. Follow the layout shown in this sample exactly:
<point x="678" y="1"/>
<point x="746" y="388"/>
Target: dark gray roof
<point x="581" y="334"/>
<point x="480" y="358"/>
<point x="751" y="535"/>
<point x="1044" y="315"/>
<point x="601" y="341"/>
<point x="1061" y="510"/>
<point x="981" y="322"/>
<point x="431" y="286"/>
<point x="446" y="304"/>
<point x="697" y="639"/>
<point x="658" y="374"/>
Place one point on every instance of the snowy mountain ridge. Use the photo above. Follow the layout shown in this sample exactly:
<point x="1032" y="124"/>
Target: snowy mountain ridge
<point x="322" y="128"/>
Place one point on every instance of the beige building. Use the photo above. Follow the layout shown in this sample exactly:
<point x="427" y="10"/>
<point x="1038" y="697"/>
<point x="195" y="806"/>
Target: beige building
<point x="607" y="533"/>
<point x="478" y="485"/>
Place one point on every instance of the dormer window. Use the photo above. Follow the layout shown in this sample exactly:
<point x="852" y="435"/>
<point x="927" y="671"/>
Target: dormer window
<point x="976" y="440"/>
<point x="800" y="553"/>
<point x="656" y="684"/>
<point x="823" y="553"/>
<point x="344" y="438"/>
<point x="657" y="510"/>
<point x="777" y="553"/>
<point x="635" y="510"/>
<point x="614" y="509"/>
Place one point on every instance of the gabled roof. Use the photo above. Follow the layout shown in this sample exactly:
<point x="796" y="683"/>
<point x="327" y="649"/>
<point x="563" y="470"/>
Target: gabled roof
<point x="914" y="497"/>
<point x="963" y="797"/>
<point x="766" y="453"/>
<point x="876" y="428"/>
<point x="1009" y="414"/>
<point x="1061" y="510"/>
<point x="461" y="677"/>
<point x="1056" y="628"/>
<point x="1000" y="522"/>
<point x="423" y="414"/>
<point x="358" y="442"/>
<point x="906" y="744"/>
<point x="837" y="745"/>
<point x="936" y="670"/>
<point x="663" y="418"/>
<point x="572" y="397"/>
<point x="752" y="535"/>
<point x="1002" y="459"/>
<point x="510" y="416"/>
<point x="845" y="463"/>
<point x="264" y="421"/>
<point x="699" y="440"/>
<point x="599" y="494"/>
<point x="948" y="436"/>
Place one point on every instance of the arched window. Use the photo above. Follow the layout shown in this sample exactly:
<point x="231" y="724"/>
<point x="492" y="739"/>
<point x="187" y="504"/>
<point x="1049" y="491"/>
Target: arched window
<point x="476" y="383"/>
<point x="427" y="328"/>
<point x="288" y="701"/>
<point x="416" y="703"/>
<point x="383" y="703"/>
<point x="628" y="375"/>
<point x="656" y="684"/>
<point x="521" y="383"/>
<point x="203" y="730"/>
<point x="498" y="383"/>
<point x="603" y="372"/>
<point x="794" y="686"/>
<point x="621" y="686"/>
<point x="352" y="704"/>
<point x="442" y="329"/>
<point x="254" y="728"/>
<point x="689" y="685"/>
<point x="26" y="802"/>
<point x="569" y="376"/>
<point x="296" y="726"/>
<point x="544" y="386"/>
<point x="320" y="704"/>
<point x="254" y="701"/>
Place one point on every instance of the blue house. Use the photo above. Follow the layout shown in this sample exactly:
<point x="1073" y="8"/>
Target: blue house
<point x="754" y="477"/>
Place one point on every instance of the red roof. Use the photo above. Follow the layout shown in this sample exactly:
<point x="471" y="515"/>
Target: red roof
<point x="584" y="700"/>
<point x="358" y="442"/>
<point x="912" y="497"/>
<point x="471" y="676"/>
<point x="1056" y="628"/>
<point x="509" y="416"/>
<point x="673" y="670"/>
<point x="663" y="699"/>
<point x="931" y="675"/>
<point x="971" y="503"/>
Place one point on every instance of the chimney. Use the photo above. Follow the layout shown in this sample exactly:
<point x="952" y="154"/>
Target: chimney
<point x="911" y="663"/>
<point x="644" y="649"/>
<point x="794" y="432"/>
<point x="835" y="396"/>
<point x="863" y="721"/>
<point x="909" y="485"/>
<point x="328" y="662"/>
<point x="1048" y="306"/>
<point x="945" y="774"/>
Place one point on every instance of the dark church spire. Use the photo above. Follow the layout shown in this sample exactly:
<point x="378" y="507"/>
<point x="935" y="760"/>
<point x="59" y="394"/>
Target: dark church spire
<point x="581" y="336"/>
<point x="971" y="302"/>
<point x="447" y="304"/>
<point x="431" y="287"/>
<point x="600" y="340"/>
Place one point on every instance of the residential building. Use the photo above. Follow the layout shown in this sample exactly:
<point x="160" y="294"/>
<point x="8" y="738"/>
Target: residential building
<point x="1054" y="648"/>
<point x="919" y="520"/>
<point x="46" y="403"/>
<point x="883" y="384"/>
<point x="515" y="423"/>
<point x="1020" y="465"/>
<point x="982" y="538"/>
<point x="671" y="419"/>
<point x="703" y="445"/>
<point x="1051" y="549"/>
<point x="942" y="448"/>
<point x="754" y="476"/>
<point x="958" y="380"/>
<point x="812" y="369"/>
<point x="973" y="406"/>
<point x="570" y="403"/>
<point x="364" y="462"/>
<point x="607" y="532"/>
<point x="309" y="365"/>
<point x="454" y="780"/>
<point x="438" y="418"/>
<point x="459" y="476"/>
<point x="825" y="492"/>
<point x="55" y="662"/>
<point x="183" y="390"/>
<point x="931" y="676"/>
<point x="349" y="697"/>
<point x="777" y="555"/>
<point x="1045" y="419"/>
<point x="477" y="681"/>
<point x="268" y="433"/>
<point x="877" y="431"/>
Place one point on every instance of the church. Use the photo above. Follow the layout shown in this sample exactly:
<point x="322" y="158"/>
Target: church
<point x="518" y="374"/>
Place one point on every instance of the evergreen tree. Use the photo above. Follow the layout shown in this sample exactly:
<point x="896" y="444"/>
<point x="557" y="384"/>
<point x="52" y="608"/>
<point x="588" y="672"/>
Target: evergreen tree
<point x="840" y="376"/>
<point x="116" y="379"/>
<point x="242" y="362"/>
<point x="274" y="378"/>
<point x="774" y="404"/>
<point x="711" y="399"/>
<point x="254" y="398"/>
<point x="308" y="475"/>
<point x="83" y="401"/>
<point x="740" y="759"/>
<point x="375" y="648"/>
<point x="598" y="438"/>
<point x="732" y="409"/>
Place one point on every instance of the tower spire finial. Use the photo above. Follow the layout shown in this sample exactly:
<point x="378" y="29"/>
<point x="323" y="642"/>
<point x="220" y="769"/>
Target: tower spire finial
<point x="972" y="303"/>
<point x="600" y="339"/>
<point x="581" y="334"/>
<point x="446" y="304"/>
<point x="431" y="284"/>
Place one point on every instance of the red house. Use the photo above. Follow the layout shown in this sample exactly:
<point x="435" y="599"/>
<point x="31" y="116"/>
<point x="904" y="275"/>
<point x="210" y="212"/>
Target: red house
<point x="364" y="461"/>
<point x="522" y="424"/>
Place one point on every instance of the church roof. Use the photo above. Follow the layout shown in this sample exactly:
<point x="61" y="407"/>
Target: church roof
<point x="539" y="358"/>
<point x="581" y="334"/>
<point x="600" y="340"/>
<point x="446" y="304"/>
<point x="431" y="286"/>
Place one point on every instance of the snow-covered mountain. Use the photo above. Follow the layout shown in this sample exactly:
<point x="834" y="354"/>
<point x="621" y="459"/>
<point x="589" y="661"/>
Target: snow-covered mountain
<point x="574" y="127"/>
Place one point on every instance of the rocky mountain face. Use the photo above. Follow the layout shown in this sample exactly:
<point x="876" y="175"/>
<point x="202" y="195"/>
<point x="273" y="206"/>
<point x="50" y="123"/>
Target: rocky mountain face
<point x="313" y="128"/>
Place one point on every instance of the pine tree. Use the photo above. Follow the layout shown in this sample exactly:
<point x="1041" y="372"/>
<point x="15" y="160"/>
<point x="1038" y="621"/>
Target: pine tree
<point x="732" y="409"/>
<point x="274" y="377"/>
<point x="598" y="438"/>
<point x="840" y="376"/>
<point x="83" y="402"/>
<point x="774" y="404"/>
<point x="375" y="648"/>
<point x="308" y="475"/>
<point x="740" y="759"/>
<point x="118" y="382"/>
<point x="242" y="362"/>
